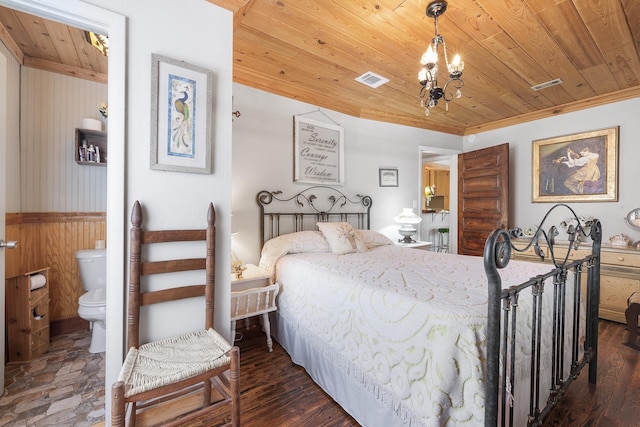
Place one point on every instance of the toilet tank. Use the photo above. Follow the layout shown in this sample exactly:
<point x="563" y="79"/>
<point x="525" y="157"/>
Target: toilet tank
<point x="92" y="264"/>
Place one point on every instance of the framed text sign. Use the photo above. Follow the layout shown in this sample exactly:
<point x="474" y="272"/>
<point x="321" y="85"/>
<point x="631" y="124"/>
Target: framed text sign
<point x="318" y="152"/>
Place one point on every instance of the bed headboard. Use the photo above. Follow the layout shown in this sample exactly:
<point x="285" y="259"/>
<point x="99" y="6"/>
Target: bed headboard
<point x="280" y="214"/>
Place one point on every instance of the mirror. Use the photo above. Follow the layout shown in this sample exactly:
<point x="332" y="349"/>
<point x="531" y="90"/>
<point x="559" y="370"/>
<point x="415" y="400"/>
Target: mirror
<point x="633" y="219"/>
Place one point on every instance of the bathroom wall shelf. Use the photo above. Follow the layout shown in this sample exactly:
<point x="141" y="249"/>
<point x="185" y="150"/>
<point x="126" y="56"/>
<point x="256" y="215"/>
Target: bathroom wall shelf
<point x="88" y="138"/>
<point x="434" y="214"/>
<point x="27" y="318"/>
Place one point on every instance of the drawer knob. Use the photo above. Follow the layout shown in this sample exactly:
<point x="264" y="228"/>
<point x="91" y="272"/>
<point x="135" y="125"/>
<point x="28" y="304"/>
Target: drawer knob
<point x="620" y="258"/>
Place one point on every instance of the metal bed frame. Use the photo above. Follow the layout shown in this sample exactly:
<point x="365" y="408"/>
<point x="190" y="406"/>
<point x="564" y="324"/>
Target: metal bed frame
<point x="501" y="330"/>
<point x="308" y="207"/>
<point x="323" y="204"/>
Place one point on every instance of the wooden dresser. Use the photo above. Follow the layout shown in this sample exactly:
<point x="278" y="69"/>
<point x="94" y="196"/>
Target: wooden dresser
<point x="27" y="314"/>
<point x="619" y="274"/>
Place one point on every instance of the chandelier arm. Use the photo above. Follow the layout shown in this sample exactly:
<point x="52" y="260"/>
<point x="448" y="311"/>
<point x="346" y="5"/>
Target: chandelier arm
<point x="457" y="84"/>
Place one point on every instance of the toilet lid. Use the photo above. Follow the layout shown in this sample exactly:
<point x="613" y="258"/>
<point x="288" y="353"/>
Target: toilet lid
<point x="94" y="298"/>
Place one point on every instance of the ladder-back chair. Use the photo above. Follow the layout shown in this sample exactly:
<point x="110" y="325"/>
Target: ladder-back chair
<point x="180" y="369"/>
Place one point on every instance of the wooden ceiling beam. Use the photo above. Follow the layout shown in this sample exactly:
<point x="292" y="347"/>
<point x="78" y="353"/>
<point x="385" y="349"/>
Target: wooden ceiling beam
<point x="11" y="44"/>
<point x="67" y="70"/>
<point x="622" y="95"/>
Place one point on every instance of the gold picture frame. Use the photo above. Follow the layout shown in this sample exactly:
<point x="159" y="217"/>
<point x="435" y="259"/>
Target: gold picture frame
<point x="581" y="167"/>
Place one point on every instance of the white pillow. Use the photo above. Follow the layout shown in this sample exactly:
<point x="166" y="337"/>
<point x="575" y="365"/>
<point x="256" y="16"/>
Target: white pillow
<point x="342" y="237"/>
<point x="373" y="238"/>
<point x="301" y="241"/>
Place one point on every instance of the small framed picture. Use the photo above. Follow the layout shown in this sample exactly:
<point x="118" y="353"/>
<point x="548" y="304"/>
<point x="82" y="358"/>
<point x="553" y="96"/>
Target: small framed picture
<point x="388" y="177"/>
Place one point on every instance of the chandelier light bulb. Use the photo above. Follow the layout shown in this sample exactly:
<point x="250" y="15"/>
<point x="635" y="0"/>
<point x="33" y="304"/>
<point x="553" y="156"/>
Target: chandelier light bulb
<point x="422" y="75"/>
<point x="430" y="57"/>
<point x="458" y="94"/>
<point x="426" y="111"/>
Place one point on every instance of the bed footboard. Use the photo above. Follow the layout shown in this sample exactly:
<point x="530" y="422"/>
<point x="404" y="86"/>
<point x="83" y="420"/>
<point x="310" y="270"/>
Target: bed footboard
<point x="564" y="281"/>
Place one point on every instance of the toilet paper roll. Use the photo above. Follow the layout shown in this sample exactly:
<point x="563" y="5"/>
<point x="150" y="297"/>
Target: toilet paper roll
<point x="37" y="281"/>
<point x="91" y="124"/>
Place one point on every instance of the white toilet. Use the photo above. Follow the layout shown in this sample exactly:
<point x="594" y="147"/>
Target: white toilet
<point x="92" y="264"/>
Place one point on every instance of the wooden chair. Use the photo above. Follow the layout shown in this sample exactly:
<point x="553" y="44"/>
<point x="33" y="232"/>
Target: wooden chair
<point x="179" y="367"/>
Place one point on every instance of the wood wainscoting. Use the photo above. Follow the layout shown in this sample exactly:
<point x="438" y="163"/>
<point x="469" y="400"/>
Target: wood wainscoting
<point x="51" y="239"/>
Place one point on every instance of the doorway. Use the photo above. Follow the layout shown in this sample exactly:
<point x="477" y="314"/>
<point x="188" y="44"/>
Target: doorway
<point x="437" y="164"/>
<point x="83" y="15"/>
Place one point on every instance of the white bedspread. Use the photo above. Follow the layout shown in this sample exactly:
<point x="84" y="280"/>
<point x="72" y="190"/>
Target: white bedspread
<point x="408" y="325"/>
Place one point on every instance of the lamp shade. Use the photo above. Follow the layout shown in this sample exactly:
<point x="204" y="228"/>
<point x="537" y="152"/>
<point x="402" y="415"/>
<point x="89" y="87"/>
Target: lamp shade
<point x="407" y="216"/>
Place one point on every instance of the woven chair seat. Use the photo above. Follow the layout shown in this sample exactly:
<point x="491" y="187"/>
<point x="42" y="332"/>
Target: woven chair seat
<point x="164" y="362"/>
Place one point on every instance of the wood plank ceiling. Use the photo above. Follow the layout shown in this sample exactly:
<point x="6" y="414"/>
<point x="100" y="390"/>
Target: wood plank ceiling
<point x="40" y="43"/>
<point x="312" y="51"/>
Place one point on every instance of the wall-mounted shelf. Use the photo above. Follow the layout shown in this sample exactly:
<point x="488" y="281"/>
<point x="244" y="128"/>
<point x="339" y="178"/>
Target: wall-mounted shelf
<point x="434" y="213"/>
<point x="85" y="139"/>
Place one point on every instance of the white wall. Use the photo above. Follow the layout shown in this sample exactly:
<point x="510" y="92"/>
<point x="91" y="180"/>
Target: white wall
<point x="175" y="199"/>
<point x="263" y="160"/>
<point x="52" y="106"/>
<point x="520" y="138"/>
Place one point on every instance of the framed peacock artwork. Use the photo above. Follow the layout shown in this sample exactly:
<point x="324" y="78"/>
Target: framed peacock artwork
<point x="181" y="110"/>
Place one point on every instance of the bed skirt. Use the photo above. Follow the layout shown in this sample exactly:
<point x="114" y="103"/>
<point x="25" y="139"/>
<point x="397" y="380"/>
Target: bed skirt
<point x="346" y="390"/>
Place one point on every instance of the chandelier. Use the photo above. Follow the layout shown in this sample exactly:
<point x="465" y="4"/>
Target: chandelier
<point x="430" y="91"/>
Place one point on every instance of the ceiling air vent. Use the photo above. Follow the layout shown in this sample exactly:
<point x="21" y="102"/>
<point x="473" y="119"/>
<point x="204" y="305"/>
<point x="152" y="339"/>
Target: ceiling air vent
<point x="545" y="85"/>
<point x="371" y="79"/>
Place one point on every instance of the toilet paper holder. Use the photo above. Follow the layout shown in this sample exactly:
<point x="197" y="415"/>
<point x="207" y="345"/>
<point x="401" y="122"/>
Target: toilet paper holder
<point x="36" y="315"/>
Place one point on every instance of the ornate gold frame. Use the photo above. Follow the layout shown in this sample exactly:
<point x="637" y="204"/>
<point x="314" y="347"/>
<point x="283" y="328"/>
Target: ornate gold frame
<point x="556" y="173"/>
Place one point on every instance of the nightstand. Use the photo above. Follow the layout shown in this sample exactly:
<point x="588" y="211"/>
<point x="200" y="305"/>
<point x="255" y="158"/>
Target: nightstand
<point x="253" y="295"/>
<point x="426" y="246"/>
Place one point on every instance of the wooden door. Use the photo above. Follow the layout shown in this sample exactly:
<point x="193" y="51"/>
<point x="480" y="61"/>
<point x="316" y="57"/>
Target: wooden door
<point x="483" y="196"/>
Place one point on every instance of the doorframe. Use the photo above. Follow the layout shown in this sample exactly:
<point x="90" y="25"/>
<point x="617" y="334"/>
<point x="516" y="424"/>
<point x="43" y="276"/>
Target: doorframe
<point x="453" y="187"/>
<point x="3" y="205"/>
<point x="83" y="15"/>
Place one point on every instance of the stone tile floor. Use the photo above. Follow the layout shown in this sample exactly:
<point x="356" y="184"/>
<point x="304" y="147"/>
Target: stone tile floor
<point x="63" y="387"/>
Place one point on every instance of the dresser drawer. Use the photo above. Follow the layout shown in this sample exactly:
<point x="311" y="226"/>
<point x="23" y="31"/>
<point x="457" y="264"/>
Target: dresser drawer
<point x="620" y="258"/>
<point x="614" y="292"/>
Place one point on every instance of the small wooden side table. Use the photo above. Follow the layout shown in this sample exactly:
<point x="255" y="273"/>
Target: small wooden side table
<point x="253" y="294"/>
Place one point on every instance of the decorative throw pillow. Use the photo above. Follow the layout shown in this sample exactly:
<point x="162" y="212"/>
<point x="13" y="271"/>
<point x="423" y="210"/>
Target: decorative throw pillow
<point x="342" y="237"/>
<point x="373" y="238"/>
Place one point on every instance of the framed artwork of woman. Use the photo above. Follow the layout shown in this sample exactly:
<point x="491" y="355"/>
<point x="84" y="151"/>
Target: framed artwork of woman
<point x="576" y="168"/>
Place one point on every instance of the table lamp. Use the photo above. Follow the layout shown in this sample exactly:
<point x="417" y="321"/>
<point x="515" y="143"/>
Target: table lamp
<point x="408" y="220"/>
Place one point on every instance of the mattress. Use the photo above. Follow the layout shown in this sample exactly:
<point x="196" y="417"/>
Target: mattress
<point x="395" y="335"/>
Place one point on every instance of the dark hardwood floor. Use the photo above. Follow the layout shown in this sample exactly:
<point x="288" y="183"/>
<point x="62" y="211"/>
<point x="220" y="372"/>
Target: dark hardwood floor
<point x="275" y="392"/>
<point x="615" y="399"/>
